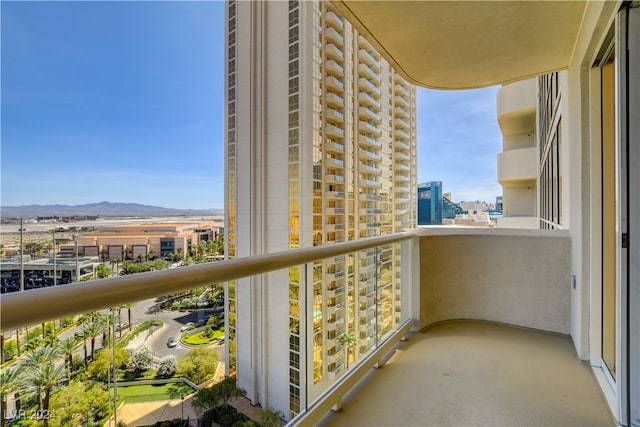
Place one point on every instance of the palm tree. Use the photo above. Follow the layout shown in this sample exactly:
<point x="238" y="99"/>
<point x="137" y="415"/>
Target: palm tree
<point x="348" y="340"/>
<point x="103" y="253"/>
<point x="150" y="254"/>
<point x="92" y="330"/>
<point x="41" y="380"/>
<point x="18" y="341"/>
<point x="67" y="346"/>
<point x="129" y="307"/>
<point x="9" y="384"/>
<point x="127" y="253"/>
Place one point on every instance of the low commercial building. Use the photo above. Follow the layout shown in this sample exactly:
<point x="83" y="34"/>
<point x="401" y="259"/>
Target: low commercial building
<point x="41" y="273"/>
<point x="131" y="241"/>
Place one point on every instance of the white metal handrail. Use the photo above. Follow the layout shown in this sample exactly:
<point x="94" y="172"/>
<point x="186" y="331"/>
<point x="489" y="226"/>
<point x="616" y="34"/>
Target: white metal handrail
<point x="39" y="305"/>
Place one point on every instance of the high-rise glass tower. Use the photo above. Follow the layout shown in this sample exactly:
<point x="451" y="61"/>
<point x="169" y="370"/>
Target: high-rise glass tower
<point x="430" y="203"/>
<point x="320" y="148"/>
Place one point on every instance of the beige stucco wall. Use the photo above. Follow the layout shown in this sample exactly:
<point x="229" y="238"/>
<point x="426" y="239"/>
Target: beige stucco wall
<point x="518" y="277"/>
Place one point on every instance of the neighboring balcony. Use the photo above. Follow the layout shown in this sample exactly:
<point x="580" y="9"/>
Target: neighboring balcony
<point x="402" y="91"/>
<point x="334" y="52"/>
<point x="335" y="84"/>
<point x="368" y="72"/>
<point x="517" y="166"/>
<point x="333" y="20"/>
<point x="369" y="87"/>
<point x="401" y="101"/>
<point x="332" y="35"/>
<point x="367" y="141"/>
<point x="516" y="107"/>
<point x="334" y="68"/>
<point x="334" y="99"/>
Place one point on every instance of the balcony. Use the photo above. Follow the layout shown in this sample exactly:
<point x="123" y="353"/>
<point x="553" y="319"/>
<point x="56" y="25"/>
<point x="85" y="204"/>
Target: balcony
<point x="368" y="59"/>
<point x="517" y="167"/>
<point x="335" y="84"/>
<point x="401" y="155"/>
<point x="368" y="72"/>
<point x="369" y="197"/>
<point x="402" y="91"/>
<point x="332" y="114"/>
<point x="333" y="20"/>
<point x="513" y="364"/>
<point x="333" y="147"/>
<point x="401" y="101"/>
<point x="370" y="155"/>
<point x="370" y="169"/>
<point x="368" y="114"/>
<point x="334" y="68"/>
<point x="368" y="100"/>
<point x="491" y="386"/>
<point x="333" y="131"/>
<point x="369" y="128"/>
<point x="401" y="112"/>
<point x="400" y="144"/>
<point x="366" y="142"/>
<point x="334" y="99"/>
<point x="369" y="87"/>
<point x="333" y="52"/>
<point x="401" y="166"/>
<point x="334" y="179"/>
<point x="335" y="163"/>
<point x="334" y="195"/>
<point x="400" y="123"/>
<point x="334" y="36"/>
<point x="402" y="134"/>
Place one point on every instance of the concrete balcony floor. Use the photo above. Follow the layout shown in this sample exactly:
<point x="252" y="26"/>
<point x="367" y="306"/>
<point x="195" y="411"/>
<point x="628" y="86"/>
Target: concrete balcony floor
<point x="481" y="374"/>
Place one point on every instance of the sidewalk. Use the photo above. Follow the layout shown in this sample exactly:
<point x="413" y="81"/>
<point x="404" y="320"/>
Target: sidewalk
<point x="148" y="413"/>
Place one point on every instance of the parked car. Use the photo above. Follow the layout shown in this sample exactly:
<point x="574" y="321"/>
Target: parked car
<point x="186" y="326"/>
<point x="171" y="342"/>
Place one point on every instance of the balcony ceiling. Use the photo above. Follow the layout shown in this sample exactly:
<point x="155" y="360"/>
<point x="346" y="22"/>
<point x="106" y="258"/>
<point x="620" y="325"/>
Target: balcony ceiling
<point x="469" y="44"/>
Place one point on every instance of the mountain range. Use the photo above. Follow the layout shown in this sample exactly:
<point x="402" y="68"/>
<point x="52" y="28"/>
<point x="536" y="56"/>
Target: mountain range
<point x="104" y="209"/>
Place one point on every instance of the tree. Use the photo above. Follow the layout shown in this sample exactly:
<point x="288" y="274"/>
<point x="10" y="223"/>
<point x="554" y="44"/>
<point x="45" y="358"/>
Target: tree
<point x="218" y="394"/>
<point x="79" y="404"/>
<point x="129" y="307"/>
<point x="42" y="380"/>
<point x="67" y="346"/>
<point x="9" y="384"/>
<point x="270" y="418"/>
<point x="92" y="330"/>
<point x="102" y="272"/>
<point x="150" y="255"/>
<point x="167" y="366"/>
<point x="100" y="368"/>
<point x="139" y="362"/>
<point x="33" y="248"/>
<point x="104" y="253"/>
<point x="199" y="364"/>
<point x="127" y="253"/>
<point x="348" y="340"/>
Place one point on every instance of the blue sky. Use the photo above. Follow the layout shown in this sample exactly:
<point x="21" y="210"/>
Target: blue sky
<point x="123" y="101"/>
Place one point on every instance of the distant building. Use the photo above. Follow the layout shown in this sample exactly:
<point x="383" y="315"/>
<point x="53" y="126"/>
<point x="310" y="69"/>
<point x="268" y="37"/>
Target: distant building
<point x="132" y="241"/>
<point x="476" y="206"/>
<point x="499" y="204"/>
<point x="40" y="273"/>
<point x="430" y="203"/>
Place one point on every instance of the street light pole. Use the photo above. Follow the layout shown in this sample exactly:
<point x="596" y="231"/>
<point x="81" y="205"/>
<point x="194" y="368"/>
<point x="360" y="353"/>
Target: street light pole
<point x="182" y="407"/>
<point x="21" y="256"/>
<point x="55" y="265"/>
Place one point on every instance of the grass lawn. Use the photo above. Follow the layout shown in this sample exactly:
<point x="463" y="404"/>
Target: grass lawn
<point x="147" y="393"/>
<point x="199" y="338"/>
